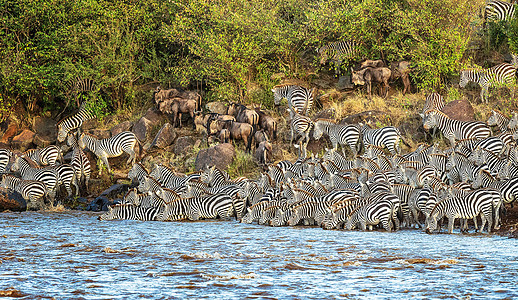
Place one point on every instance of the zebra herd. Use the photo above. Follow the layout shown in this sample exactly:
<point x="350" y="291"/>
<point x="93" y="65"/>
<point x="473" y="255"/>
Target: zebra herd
<point x="38" y="174"/>
<point x="472" y="179"/>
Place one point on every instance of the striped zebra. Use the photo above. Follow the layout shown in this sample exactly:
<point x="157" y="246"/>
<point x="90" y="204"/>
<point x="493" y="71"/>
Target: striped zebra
<point x="47" y="156"/>
<point x="380" y="210"/>
<point x="498" y="119"/>
<point x="110" y="147"/>
<point x="513" y="123"/>
<point x="30" y="171"/>
<point x="144" y="200"/>
<point x="456" y="130"/>
<point x="497" y="10"/>
<point x="32" y="191"/>
<point x="130" y="212"/>
<point x="299" y="98"/>
<point x="433" y="101"/>
<point x="137" y="173"/>
<point x="79" y="162"/>
<point x="168" y="178"/>
<point x="195" y="208"/>
<point x="301" y="125"/>
<point x="66" y="176"/>
<point x="338" y="134"/>
<point x="338" y="52"/>
<point x="388" y="137"/>
<point x="467" y="207"/>
<point x="501" y="74"/>
<point x="74" y="121"/>
<point x="5" y="158"/>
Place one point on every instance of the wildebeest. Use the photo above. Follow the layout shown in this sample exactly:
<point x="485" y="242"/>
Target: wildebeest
<point x="238" y="131"/>
<point x="401" y="69"/>
<point x="224" y="135"/>
<point x="176" y="106"/>
<point x="262" y="152"/>
<point x="243" y="114"/>
<point x="267" y="123"/>
<point x="260" y="136"/>
<point x="378" y="63"/>
<point x="160" y="95"/>
<point x="201" y="120"/>
<point x="370" y="75"/>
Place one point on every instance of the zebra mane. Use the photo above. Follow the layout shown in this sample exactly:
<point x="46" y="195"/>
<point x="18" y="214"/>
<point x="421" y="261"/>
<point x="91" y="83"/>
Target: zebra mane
<point x="142" y="166"/>
<point x="500" y="113"/>
<point x="90" y="135"/>
<point x="437" y="112"/>
<point x="306" y="204"/>
<point x="342" y="204"/>
<point x="172" y="192"/>
<point x="31" y="163"/>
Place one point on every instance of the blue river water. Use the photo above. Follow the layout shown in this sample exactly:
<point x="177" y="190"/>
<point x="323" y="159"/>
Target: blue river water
<point x="72" y="255"/>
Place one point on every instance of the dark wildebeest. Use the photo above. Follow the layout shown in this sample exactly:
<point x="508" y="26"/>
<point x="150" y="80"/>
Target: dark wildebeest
<point x="370" y="75"/>
<point x="243" y="114"/>
<point x="201" y="120"/>
<point x="401" y="69"/>
<point x="238" y="131"/>
<point x="160" y="95"/>
<point x="267" y="123"/>
<point x="372" y="63"/>
<point x="176" y="106"/>
<point x="262" y="152"/>
<point x="260" y="136"/>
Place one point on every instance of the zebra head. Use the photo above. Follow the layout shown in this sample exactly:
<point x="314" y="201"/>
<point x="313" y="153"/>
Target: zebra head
<point x="493" y="119"/>
<point x="468" y="75"/>
<point x="277" y="95"/>
<point x="430" y="120"/>
<point x="81" y="141"/>
<point x="318" y="130"/>
<point x="513" y="123"/>
<point x="62" y="133"/>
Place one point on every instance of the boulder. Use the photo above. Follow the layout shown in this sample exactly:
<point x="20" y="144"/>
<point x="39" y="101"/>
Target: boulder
<point x="45" y="127"/>
<point x="183" y="144"/>
<point x="325" y="114"/>
<point x="100" y="203"/>
<point x="220" y="156"/>
<point x="370" y="116"/>
<point x="90" y="124"/>
<point x="142" y="129"/>
<point x="217" y="107"/>
<point x="11" y="131"/>
<point x="100" y="133"/>
<point x="164" y="137"/>
<point x="115" y="190"/>
<point x="344" y="82"/>
<point x="12" y="201"/>
<point x="124" y="126"/>
<point x="154" y="116"/>
<point x="42" y="141"/>
<point x="459" y="110"/>
<point x="24" y="140"/>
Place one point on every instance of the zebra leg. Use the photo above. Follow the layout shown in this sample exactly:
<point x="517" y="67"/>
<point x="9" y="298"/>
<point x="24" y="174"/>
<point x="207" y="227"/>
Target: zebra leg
<point x="483" y="218"/>
<point x="132" y="158"/>
<point x="497" y="216"/>
<point x="451" y="224"/>
<point x="475" y="224"/>
<point x="104" y="159"/>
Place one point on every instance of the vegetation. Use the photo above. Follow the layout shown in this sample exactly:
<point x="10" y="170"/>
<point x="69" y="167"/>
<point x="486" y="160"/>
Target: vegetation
<point x="231" y="49"/>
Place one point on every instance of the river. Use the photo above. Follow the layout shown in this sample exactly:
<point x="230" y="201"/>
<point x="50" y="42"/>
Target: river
<point x="73" y="255"/>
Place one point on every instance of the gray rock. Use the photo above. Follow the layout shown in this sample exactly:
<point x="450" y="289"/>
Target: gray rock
<point x="100" y="203"/>
<point x="142" y="129"/>
<point x="43" y="141"/>
<point x="115" y="190"/>
<point x="459" y="110"/>
<point x="45" y="127"/>
<point x="220" y="156"/>
<point x="217" y="107"/>
<point x="11" y="131"/>
<point x="124" y="126"/>
<point x="164" y="137"/>
<point x="90" y="124"/>
<point x="154" y="116"/>
<point x="344" y="82"/>
<point x="12" y="201"/>
<point x="100" y="133"/>
<point x="183" y="144"/>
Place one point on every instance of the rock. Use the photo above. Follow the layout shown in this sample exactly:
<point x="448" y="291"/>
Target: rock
<point x="100" y="203"/>
<point x="370" y="116"/>
<point x="114" y="190"/>
<point x="124" y="126"/>
<point x="12" y="201"/>
<point x="3" y="127"/>
<point x="24" y="140"/>
<point x="100" y="133"/>
<point x="45" y="127"/>
<point x="316" y="147"/>
<point x="42" y="141"/>
<point x="11" y="131"/>
<point x="220" y="156"/>
<point x="90" y="124"/>
<point x="164" y="137"/>
<point x="459" y="110"/>
<point x="325" y="114"/>
<point x="142" y="129"/>
<point x="217" y="107"/>
<point x="183" y="144"/>
<point x="344" y="82"/>
<point x="154" y="116"/>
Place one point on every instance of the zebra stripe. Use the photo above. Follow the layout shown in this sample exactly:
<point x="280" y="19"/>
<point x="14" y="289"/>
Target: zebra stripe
<point x="110" y="147"/>
<point x="498" y="119"/>
<point x="5" y="158"/>
<point x="388" y="137"/>
<point x="433" y="101"/>
<point x="302" y="126"/>
<point x="46" y="156"/>
<point x="380" y="210"/>
<point x="338" y="52"/>
<point x="74" y="121"/>
<point x="456" y="130"/>
<point x="32" y="191"/>
<point x="299" y="98"/>
<point x="130" y="212"/>
<point x="497" y="75"/>
<point x="29" y="171"/>
<point x="338" y="134"/>
<point x="168" y="178"/>
<point x="497" y="10"/>
<point x="137" y="172"/>
<point x="79" y="162"/>
<point x="195" y="208"/>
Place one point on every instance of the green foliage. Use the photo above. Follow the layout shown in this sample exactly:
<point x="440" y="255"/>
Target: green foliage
<point x="242" y="165"/>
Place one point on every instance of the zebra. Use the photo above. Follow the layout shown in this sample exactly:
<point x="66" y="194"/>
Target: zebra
<point x="498" y="119"/>
<point x="29" y="171"/>
<point x="338" y="134"/>
<point x="380" y="210"/>
<point x="254" y="212"/>
<point x="66" y="176"/>
<point x="500" y="74"/>
<point x="497" y="10"/>
<point x="74" y="121"/>
<point x="110" y="147"/>
<point x="195" y="208"/>
<point x="388" y="137"/>
<point x="32" y="191"/>
<point x="513" y="123"/>
<point x="137" y="172"/>
<point x="456" y="130"/>
<point x="433" y="101"/>
<point x="79" y="162"/>
<point x="5" y="158"/>
<point x="299" y="98"/>
<point x="301" y="125"/>
<point x="130" y="212"/>
<point x="466" y="207"/>
<point x="47" y="156"/>
<point x="338" y="52"/>
<point x="168" y="178"/>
